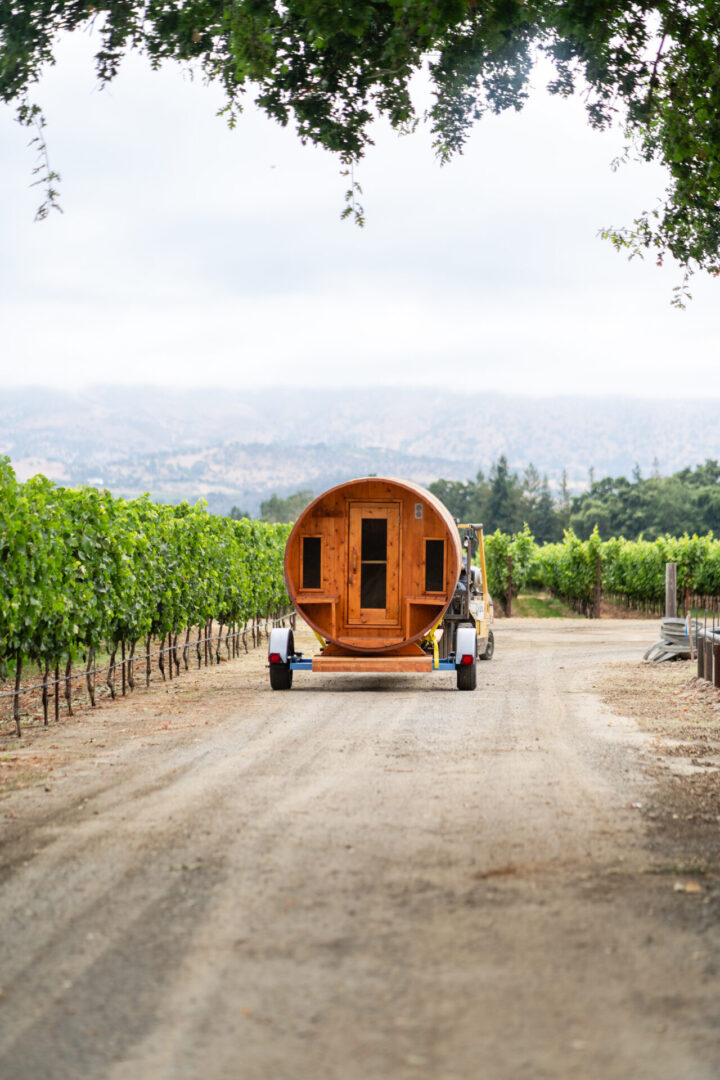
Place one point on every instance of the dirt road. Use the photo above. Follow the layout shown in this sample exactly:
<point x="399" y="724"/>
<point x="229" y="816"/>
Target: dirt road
<point x="357" y="879"/>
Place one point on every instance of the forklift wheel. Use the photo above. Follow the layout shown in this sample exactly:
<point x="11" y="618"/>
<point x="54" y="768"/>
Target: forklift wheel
<point x="489" y="648"/>
<point x="466" y="676"/>
<point x="280" y="676"/>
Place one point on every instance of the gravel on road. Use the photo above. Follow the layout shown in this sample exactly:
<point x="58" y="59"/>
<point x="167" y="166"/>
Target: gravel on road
<point x="372" y="876"/>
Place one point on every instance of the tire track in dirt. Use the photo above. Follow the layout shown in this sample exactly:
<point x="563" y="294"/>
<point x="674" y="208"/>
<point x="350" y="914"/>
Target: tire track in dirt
<point x="362" y="878"/>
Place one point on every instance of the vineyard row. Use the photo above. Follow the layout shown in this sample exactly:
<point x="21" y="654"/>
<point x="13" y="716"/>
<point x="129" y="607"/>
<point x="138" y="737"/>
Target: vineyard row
<point x="631" y="571"/>
<point x="81" y="571"/>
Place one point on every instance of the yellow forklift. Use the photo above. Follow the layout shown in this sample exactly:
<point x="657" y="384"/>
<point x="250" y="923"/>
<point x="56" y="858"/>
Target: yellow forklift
<point x="471" y="606"/>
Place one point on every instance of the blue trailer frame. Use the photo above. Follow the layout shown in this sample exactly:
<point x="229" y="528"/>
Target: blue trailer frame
<point x="299" y="663"/>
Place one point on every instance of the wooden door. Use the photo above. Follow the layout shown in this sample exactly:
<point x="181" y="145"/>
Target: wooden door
<point x="373" y="563"/>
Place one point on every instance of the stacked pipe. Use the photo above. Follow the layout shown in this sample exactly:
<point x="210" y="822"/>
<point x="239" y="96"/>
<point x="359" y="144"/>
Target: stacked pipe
<point x="675" y="641"/>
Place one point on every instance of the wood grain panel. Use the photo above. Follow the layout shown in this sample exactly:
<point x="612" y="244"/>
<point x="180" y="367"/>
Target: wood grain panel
<point x="410" y="612"/>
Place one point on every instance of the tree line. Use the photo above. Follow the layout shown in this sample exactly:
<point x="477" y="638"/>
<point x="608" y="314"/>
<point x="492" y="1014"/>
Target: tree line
<point x="277" y="509"/>
<point x="688" y="501"/>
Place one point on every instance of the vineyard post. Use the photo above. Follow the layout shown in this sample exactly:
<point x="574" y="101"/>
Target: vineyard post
<point x="161" y="657"/>
<point x="671" y="590"/>
<point x="701" y="650"/>
<point x="57" y="693"/>
<point x="110" y="681"/>
<point x="186" y="646"/>
<point x="45" y="692"/>
<point x="122" y="664"/>
<point x="598" y="586"/>
<point x="197" y="647"/>
<point x="508" y="602"/>
<point x="16" y="696"/>
<point x="68" y="684"/>
<point x="148" y="639"/>
<point x="89" y="676"/>
<point x="131" y="666"/>
<point x="712" y="674"/>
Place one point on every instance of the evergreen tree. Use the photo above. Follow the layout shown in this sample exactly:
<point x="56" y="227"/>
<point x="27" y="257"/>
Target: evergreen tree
<point x="505" y="501"/>
<point x="544" y="522"/>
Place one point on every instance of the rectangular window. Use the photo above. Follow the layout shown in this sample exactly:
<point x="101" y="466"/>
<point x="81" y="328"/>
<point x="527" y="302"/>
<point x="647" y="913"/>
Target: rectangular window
<point x="374" y="540"/>
<point x="434" y="566"/>
<point x="373" y="585"/>
<point x="311" y="565"/>
<point x="373" y="563"/>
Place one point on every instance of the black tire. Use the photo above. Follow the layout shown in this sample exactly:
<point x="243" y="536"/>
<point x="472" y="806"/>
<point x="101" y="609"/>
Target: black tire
<point x="466" y="676"/>
<point x="489" y="648"/>
<point x="280" y="676"/>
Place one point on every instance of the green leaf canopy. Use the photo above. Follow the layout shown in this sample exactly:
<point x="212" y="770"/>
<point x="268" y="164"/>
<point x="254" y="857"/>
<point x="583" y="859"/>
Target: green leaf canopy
<point x="331" y="68"/>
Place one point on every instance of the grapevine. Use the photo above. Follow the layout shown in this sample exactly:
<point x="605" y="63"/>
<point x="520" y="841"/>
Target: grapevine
<point x="81" y="569"/>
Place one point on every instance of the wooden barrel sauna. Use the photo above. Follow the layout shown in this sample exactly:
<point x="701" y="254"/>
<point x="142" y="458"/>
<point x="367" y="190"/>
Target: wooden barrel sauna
<point x="371" y="565"/>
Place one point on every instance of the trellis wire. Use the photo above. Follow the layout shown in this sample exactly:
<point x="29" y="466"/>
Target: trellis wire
<point x="138" y="657"/>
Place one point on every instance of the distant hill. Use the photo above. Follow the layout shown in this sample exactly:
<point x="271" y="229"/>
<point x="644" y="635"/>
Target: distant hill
<point x="237" y="447"/>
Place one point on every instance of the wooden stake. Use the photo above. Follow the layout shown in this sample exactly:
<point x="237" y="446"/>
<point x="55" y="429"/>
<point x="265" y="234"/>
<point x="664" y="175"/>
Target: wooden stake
<point x="161" y="657"/>
<point x="16" y="698"/>
<point x="110" y="681"/>
<point x="68" y="684"/>
<point x="45" y="692"/>
<point x="89" y="678"/>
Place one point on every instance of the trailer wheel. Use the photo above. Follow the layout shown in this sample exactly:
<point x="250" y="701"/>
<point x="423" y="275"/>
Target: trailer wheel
<point x="280" y="676"/>
<point x="467" y="676"/>
<point x="489" y="648"/>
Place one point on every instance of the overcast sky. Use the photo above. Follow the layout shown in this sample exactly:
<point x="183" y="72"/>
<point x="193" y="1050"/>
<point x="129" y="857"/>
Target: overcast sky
<point x="191" y="255"/>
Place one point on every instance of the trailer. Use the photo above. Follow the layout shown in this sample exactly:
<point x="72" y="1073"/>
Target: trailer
<point x="379" y="571"/>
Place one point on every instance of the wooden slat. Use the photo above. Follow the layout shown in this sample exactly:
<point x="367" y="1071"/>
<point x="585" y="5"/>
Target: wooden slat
<point x="315" y="598"/>
<point x="372" y="663"/>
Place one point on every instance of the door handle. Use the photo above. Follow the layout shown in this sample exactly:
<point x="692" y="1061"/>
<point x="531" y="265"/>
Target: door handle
<point x="354" y="561"/>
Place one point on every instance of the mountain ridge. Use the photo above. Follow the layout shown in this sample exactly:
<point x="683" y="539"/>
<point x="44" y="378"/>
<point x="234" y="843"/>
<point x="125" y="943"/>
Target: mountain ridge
<point x="235" y="447"/>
